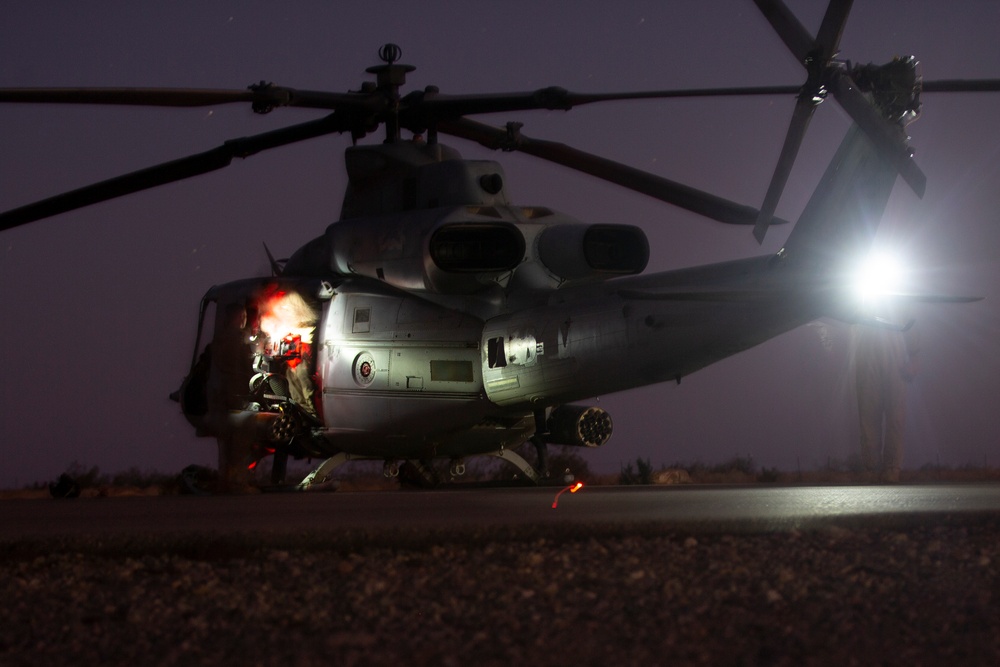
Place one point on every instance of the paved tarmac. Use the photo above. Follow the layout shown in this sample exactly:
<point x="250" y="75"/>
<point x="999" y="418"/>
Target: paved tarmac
<point x="706" y="508"/>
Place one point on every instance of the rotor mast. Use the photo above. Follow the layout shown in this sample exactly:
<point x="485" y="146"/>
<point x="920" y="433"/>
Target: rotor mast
<point x="389" y="78"/>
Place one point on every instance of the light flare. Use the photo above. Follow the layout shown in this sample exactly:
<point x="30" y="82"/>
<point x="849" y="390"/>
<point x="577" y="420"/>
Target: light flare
<point x="881" y="274"/>
<point x="285" y="313"/>
<point x="572" y="488"/>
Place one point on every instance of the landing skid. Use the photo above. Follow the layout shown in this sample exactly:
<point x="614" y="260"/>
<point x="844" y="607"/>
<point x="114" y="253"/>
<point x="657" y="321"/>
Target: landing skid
<point x="319" y="479"/>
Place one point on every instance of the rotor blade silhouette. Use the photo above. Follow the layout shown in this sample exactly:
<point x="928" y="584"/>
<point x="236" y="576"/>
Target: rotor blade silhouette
<point x="815" y="55"/>
<point x="830" y="30"/>
<point x="934" y="298"/>
<point x="793" y="140"/>
<point x="360" y="112"/>
<point x="792" y="33"/>
<point x="263" y="97"/>
<point x="426" y="107"/>
<point x="683" y="196"/>
<point x="961" y="86"/>
<point x="168" y="172"/>
<point x="415" y="109"/>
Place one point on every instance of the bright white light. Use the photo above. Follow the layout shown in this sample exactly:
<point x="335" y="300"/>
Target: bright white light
<point x="879" y="275"/>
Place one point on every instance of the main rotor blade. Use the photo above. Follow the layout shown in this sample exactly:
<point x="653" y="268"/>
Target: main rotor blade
<point x="887" y="136"/>
<point x="804" y="108"/>
<point x="748" y="295"/>
<point x="165" y="97"/>
<point x="168" y="172"/>
<point x="933" y="298"/>
<point x="792" y="33"/>
<point x="828" y="37"/>
<point x="961" y="86"/>
<point x="712" y="294"/>
<point x="421" y="110"/>
<point x="691" y="199"/>
<point x="263" y="97"/>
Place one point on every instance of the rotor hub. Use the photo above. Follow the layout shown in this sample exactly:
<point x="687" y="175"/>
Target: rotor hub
<point x="894" y="87"/>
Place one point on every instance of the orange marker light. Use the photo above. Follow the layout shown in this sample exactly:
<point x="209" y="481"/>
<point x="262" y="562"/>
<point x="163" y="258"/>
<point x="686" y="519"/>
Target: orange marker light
<point x="572" y="488"/>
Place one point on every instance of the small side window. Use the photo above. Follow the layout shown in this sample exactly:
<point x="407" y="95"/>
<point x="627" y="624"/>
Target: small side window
<point x="495" y="355"/>
<point x="362" y="320"/>
<point x="447" y="370"/>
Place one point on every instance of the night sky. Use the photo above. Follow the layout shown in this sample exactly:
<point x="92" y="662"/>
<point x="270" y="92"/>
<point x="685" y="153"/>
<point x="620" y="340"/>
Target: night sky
<point x="99" y="305"/>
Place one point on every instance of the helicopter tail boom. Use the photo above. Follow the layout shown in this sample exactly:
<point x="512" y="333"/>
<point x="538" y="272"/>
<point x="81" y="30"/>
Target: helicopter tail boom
<point x="843" y="214"/>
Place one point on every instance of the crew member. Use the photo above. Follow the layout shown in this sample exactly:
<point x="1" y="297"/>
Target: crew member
<point x="885" y="362"/>
<point x="298" y="376"/>
<point x="228" y="378"/>
<point x="290" y="322"/>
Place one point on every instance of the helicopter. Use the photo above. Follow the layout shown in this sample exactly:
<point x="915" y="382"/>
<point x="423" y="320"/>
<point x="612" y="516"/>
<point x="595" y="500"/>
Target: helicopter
<point x="448" y="322"/>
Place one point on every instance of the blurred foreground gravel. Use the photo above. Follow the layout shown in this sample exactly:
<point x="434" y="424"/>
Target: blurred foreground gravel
<point x="923" y="593"/>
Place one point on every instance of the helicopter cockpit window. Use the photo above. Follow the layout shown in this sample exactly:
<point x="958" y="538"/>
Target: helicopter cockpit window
<point x="495" y="356"/>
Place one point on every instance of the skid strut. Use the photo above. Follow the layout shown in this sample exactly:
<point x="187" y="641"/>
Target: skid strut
<point x="323" y="472"/>
<point x="518" y="461"/>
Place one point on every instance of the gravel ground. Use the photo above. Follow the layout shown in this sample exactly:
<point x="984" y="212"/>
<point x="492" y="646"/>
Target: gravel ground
<point x="918" y="594"/>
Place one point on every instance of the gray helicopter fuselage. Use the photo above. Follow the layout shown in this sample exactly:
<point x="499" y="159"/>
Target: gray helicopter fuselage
<point x="406" y="377"/>
<point x="461" y="329"/>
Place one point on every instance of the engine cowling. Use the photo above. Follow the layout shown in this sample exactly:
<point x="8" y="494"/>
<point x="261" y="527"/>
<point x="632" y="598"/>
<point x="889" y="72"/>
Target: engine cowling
<point x="579" y="426"/>
<point x="437" y="250"/>
<point x="476" y="247"/>
<point x="580" y="251"/>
